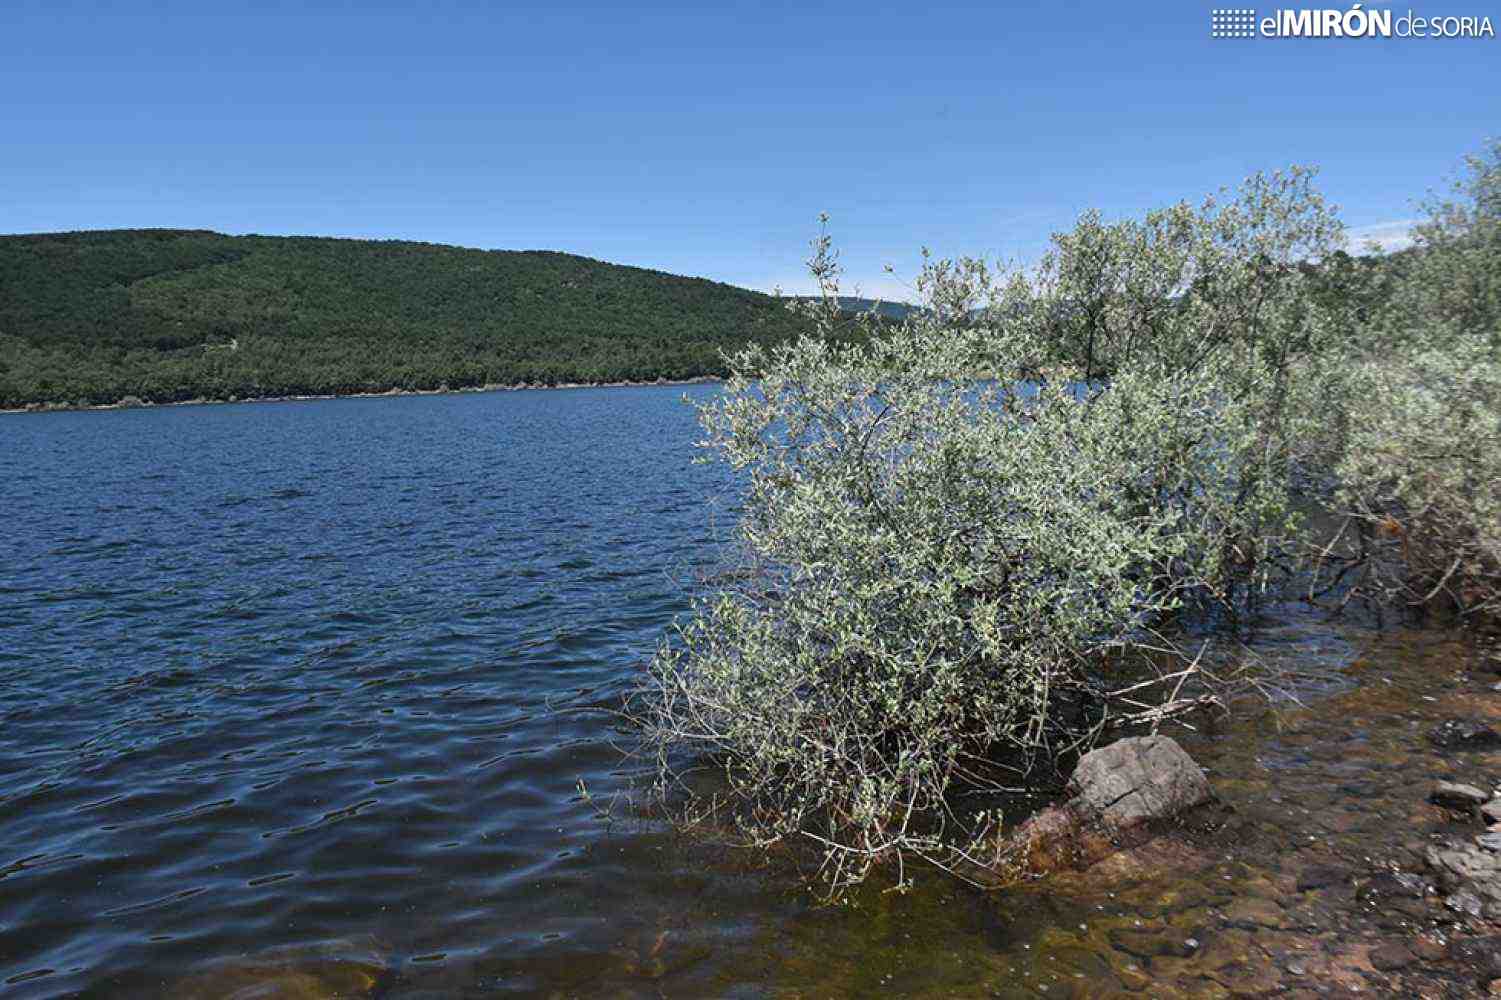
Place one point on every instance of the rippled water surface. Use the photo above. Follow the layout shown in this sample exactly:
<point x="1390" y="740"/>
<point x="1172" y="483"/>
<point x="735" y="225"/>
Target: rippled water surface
<point x="286" y="672"/>
<point x="295" y="700"/>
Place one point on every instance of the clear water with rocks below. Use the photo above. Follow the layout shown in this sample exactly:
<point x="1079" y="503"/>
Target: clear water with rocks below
<point x="297" y="697"/>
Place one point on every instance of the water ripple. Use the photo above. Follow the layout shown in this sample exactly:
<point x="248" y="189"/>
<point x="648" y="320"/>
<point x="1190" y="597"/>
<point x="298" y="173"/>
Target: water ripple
<point x="298" y="672"/>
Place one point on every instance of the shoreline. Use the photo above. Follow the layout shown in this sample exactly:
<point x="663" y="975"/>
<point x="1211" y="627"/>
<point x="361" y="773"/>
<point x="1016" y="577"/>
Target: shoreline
<point x="133" y="403"/>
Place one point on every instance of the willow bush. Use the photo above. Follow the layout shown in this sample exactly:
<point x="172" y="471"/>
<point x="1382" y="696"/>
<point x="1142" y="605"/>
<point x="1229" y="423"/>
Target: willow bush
<point x="1231" y="274"/>
<point x="1420" y="474"/>
<point x="1421" y="479"/>
<point x="960" y="540"/>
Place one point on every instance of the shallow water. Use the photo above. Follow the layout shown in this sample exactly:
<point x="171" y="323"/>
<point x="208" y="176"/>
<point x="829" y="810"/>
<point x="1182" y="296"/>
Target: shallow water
<point x="301" y="694"/>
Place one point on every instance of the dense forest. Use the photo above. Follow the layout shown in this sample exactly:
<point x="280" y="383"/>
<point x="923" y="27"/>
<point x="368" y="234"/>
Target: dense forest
<point x="168" y="315"/>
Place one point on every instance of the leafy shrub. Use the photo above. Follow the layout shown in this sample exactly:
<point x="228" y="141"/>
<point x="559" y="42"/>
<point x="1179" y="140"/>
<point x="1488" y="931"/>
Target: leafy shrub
<point x="953" y="559"/>
<point x="1450" y="283"/>
<point x="1251" y="281"/>
<point x="1229" y="274"/>
<point x="1420" y="476"/>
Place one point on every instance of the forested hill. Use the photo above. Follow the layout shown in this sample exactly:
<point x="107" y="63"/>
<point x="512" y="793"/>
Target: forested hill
<point x="166" y="315"/>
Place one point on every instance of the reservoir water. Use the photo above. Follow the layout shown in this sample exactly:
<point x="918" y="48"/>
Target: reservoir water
<point x="298" y="699"/>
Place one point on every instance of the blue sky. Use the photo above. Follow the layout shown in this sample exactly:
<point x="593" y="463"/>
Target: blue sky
<point x="705" y="138"/>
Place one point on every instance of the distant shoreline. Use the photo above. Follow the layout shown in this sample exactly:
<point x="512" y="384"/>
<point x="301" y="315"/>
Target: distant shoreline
<point x="132" y="403"/>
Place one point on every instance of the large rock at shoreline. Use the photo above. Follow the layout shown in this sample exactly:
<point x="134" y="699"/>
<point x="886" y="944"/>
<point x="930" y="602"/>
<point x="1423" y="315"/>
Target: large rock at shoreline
<point x="1118" y="793"/>
<point x="1136" y="781"/>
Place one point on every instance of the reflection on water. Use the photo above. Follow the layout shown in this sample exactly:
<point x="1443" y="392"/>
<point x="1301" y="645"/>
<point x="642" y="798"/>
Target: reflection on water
<point x="297" y="696"/>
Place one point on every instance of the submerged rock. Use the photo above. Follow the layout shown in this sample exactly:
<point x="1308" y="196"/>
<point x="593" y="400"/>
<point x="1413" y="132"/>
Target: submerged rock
<point x="1392" y="955"/>
<point x="1464" y="734"/>
<point x="324" y="971"/>
<point x="1157" y="942"/>
<point x="1469" y="876"/>
<point x="1117" y="794"/>
<point x="1482" y="955"/>
<point x="1321" y="877"/>
<point x="1458" y="796"/>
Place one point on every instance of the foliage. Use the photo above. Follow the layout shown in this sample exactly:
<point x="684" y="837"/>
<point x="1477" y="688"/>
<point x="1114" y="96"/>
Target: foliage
<point x="170" y="315"/>
<point x="953" y="556"/>
<point x="1450" y="286"/>
<point x="1185" y="282"/>
<point x="1420" y="475"/>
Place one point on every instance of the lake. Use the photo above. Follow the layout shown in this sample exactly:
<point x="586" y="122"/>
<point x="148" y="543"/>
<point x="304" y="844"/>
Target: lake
<point x="299" y="696"/>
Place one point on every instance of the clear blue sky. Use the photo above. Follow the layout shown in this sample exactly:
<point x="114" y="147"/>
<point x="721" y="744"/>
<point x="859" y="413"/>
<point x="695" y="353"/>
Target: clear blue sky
<point x="703" y="138"/>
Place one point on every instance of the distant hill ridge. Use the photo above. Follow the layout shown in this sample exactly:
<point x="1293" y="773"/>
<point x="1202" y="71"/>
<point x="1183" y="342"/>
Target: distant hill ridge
<point x="855" y="305"/>
<point x="170" y="314"/>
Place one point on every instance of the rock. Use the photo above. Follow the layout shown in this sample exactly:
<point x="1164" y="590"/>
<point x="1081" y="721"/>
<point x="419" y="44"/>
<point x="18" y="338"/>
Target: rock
<point x="1454" y="795"/>
<point x="1464" y="734"/>
<point x="1491" y="811"/>
<point x="1251" y="912"/>
<point x="1482" y="955"/>
<point x="1320" y="876"/>
<point x="1135" y="781"/>
<point x="1459" y="864"/>
<point x="1054" y="839"/>
<point x="1385" y="886"/>
<point x="1490" y="841"/>
<point x="333" y="969"/>
<point x="1469" y="876"/>
<point x="1116" y="793"/>
<point x="1390" y="956"/>
<point x="1427" y="949"/>
<point x="1168" y="941"/>
<point x="1466" y="903"/>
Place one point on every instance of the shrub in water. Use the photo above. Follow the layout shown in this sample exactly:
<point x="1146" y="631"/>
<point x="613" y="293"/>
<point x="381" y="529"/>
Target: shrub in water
<point x="1419" y="470"/>
<point x="951" y="559"/>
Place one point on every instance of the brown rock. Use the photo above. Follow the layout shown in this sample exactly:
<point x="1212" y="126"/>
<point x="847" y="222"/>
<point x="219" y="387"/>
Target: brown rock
<point x="1427" y="949"/>
<point x="1169" y="941"/>
<point x="1390" y="956"/>
<point x="1250" y="912"/>
<point x="334" y="969"/>
<point x="1320" y="876"/>
<point x="1481" y="954"/>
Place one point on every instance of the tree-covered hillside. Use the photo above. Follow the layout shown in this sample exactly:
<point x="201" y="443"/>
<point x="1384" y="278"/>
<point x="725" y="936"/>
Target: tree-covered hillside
<point x="166" y="315"/>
